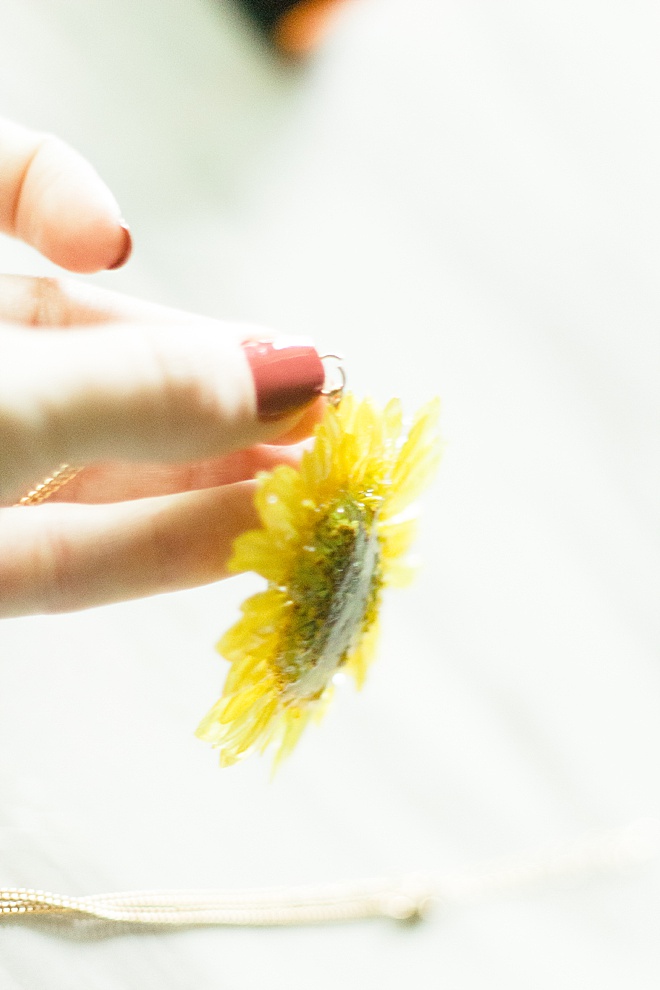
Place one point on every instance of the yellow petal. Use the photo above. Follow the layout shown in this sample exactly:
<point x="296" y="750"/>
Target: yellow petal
<point x="295" y="722"/>
<point x="392" y="425"/>
<point x="259" y="551"/>
<point x="248" y="669"/>
<point x="396" y="537"/>
<point x="346" y="412"/>
<point x="241" y="702"/>
<point x="258" y="725"/>
<point x="359" y="661"/>
<point x="209" y="728"/>
<point x="422" y="434"/>
<point x="347" y="457"/>
<point x="318" y="708"/>
<point x="264" y="605"/>
<point x="412" y="485"/>
<point x="398" y="574"/>
<point x="227" y="758"/>
<point x="364" y="458"/>
<point x="232" y="733"/>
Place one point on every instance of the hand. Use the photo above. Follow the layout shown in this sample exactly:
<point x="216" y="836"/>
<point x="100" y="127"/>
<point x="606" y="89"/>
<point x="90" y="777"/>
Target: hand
<point x="172" y="414"/>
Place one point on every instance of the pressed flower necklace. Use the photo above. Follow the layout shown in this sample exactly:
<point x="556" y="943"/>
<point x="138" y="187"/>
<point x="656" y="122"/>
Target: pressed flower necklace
<point x="332" y="536"/>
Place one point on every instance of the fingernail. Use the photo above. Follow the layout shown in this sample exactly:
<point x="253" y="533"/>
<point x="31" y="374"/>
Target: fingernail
<point x="288" y="375"/>
<point x="126" y="248"/>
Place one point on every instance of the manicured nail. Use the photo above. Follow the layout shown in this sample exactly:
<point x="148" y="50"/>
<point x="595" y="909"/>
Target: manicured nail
<point x="126" y="248"/>
<point x="288" y="375"/>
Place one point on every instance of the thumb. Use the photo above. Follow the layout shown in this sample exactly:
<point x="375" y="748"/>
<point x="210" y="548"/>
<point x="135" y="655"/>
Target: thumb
<point x="52" y="198"/>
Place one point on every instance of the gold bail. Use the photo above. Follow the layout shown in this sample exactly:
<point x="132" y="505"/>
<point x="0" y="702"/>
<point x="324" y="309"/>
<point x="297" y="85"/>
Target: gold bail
<point x="335" y="378"/>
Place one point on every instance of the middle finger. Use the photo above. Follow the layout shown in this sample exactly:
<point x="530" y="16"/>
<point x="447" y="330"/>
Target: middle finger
<point x="117" y="481"/>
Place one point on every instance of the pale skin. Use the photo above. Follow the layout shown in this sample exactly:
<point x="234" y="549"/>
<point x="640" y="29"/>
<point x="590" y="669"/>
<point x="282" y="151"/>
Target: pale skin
<point x="159" y="405"/>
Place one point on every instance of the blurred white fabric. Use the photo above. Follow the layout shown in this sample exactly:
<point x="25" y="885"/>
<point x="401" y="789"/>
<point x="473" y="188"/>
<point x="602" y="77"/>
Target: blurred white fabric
<point x="463" y="198"/>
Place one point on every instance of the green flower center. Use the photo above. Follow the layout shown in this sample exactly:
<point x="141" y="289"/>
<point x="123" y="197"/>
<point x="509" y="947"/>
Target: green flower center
<point x="333" y="597"/>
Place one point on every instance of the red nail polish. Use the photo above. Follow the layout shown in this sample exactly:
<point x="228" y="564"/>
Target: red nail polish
<point x="126" y="249"/>
<point x="288" y="375"/>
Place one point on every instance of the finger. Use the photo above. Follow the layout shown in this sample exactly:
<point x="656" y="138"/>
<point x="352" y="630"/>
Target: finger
<point x="304" y="427"/>
<point x="61" y="558"/>
<point x="53" y="199"/>
<point x="59" y="303"/>
<point x="121" y="482"/>
<point x="142" y="393"/>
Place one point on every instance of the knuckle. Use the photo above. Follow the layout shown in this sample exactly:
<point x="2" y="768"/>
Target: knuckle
<point x="36" y="567"/>
<point x="55" y="572"/>
<point x="33" y="301"/>
<point x="44" y="302"/>
<point x="29" y="174"/>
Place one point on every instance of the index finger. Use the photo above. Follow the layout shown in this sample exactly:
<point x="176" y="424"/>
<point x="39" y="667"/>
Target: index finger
<point x="53" y="199"/>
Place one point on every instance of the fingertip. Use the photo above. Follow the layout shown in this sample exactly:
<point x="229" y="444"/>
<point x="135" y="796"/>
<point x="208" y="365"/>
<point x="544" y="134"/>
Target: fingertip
<point x="304" y="427"/>
<point x="126" y="248"/>
<point x="85" y="244"/>
<point x="66" y="211"/>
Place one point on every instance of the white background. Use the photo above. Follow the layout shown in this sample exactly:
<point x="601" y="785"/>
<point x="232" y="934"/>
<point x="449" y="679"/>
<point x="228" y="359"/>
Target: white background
<point x="463" y="197"/>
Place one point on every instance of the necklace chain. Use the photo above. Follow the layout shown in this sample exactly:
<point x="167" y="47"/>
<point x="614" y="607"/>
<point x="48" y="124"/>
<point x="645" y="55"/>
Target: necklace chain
<point x="406" y="899"/>
<point x="50" y="485"/>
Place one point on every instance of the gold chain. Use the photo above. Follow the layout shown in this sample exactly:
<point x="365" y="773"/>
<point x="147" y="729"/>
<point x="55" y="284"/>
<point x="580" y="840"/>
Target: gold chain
<point x="406" y="899"/>
<point x="50" y="485"/>
<point x="306" y="905"/>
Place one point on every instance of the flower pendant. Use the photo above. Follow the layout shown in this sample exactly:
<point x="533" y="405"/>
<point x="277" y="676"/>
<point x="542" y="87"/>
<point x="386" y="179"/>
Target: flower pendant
<point x="333" y="535"/>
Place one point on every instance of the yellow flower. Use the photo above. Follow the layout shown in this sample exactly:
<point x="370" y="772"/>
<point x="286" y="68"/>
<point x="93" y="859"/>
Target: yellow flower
<point x="332" y="537"/>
